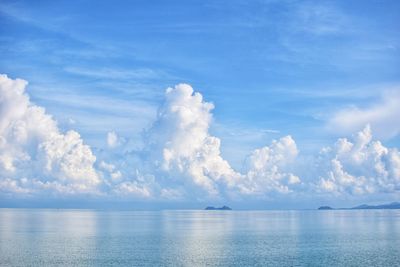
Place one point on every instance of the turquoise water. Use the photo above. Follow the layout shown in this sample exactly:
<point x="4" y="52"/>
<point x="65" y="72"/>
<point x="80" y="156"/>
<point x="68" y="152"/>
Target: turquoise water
<point x="37" y="237"/>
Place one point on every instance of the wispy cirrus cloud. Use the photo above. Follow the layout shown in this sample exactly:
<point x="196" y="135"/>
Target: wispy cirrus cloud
<point x="382" y="115"/>
<point x="113" y="73"/>
<point x="320" y="19"/>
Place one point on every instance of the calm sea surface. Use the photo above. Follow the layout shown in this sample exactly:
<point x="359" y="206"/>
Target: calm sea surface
<point x="34" y="237"/>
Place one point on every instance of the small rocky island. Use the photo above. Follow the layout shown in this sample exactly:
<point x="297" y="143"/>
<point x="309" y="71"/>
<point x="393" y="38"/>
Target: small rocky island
<point x="325" y="208"/>
<point x="221" y="208"/>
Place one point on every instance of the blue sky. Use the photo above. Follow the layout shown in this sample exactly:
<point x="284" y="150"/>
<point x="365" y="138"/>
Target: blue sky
<point x="314" y="70"/>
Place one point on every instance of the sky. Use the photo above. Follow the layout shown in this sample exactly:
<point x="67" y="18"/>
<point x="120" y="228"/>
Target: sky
<point x="179" y="104"/>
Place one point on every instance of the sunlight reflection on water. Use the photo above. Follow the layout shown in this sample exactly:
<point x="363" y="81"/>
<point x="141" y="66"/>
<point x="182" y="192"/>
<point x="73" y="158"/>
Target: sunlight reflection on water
<point x="198" y="238"/>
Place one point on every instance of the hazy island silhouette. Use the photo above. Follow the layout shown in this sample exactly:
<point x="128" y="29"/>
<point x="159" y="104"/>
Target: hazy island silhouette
<point x="393" y="205"/>
<point x="221" y="208"/>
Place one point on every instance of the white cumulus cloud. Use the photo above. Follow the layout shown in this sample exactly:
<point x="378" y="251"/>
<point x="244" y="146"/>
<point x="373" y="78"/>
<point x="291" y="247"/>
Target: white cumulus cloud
<point x="34" y="154"/>
<point x="180" y="145"/>
<point x="267" y="168"/>
<point x="360" y="166"/>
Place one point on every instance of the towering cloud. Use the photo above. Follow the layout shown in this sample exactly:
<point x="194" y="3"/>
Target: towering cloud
<point x="181" y="147"/>
<point x="34" y="154"/>
<point x="361" y="166"/>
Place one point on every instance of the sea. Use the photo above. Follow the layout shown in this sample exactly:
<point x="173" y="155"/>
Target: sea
<point x="66" y="237"/>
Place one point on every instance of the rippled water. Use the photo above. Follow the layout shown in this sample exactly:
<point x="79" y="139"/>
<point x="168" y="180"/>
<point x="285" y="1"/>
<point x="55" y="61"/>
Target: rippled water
<point x="199" y="238"/>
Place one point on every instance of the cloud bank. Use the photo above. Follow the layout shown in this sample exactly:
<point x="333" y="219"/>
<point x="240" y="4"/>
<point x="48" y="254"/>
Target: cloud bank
<point x="178" y="160"/>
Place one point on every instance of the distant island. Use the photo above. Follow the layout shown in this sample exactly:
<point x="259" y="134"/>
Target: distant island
<point x="325" y="208"/>
<point x="222" y="208"/>
<point x="393" y="205"/>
